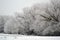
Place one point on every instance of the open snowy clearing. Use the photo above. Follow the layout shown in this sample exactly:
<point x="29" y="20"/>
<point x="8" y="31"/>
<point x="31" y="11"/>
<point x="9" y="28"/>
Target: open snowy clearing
<point x="23" y="37"/>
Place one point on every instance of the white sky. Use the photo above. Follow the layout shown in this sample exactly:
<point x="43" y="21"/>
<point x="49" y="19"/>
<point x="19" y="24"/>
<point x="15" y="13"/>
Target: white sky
<point x="8" y="7"/>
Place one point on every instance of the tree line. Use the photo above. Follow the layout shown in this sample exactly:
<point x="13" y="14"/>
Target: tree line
<point x="40" y="19"/>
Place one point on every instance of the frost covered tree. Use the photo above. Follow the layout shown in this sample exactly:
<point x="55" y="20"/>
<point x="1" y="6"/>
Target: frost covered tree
<point x="40" y="19"/>
<point x="3" y="20"/>
<point x="1" y="24"/>
<point x="53" y="20"/>
<point x="25" y="20"/>
<point x="45" y="18"/>
<point x="12" y="26"/>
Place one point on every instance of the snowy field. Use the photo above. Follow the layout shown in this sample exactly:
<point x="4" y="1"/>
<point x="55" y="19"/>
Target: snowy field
<point x="22" y="37"/>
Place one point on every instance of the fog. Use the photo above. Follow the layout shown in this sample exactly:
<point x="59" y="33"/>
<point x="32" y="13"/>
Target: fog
<point x="9" y="7"/>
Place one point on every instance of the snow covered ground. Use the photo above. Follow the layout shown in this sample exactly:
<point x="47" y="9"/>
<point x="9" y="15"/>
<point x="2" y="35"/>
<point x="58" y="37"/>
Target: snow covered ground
<point x="23" y="37"/>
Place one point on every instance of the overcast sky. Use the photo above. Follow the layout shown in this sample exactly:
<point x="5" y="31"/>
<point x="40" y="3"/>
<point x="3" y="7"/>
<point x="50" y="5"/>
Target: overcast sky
<point x="8" y="7"/>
